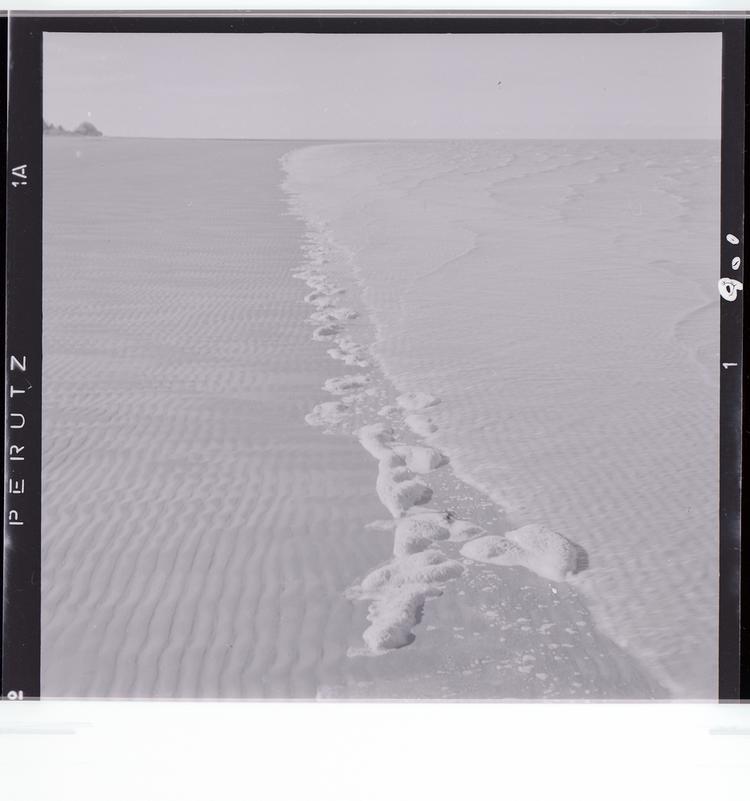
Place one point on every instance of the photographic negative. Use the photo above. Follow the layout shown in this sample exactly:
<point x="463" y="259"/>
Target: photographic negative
<point x="386" y="363"/>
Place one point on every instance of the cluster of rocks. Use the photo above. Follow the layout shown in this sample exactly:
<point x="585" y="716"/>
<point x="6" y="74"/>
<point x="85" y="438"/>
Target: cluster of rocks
<point x="84" y="129"/>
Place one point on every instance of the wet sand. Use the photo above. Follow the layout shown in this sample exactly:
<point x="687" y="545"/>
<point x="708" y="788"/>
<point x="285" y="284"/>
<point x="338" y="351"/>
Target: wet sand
<point x="198" y="536"/>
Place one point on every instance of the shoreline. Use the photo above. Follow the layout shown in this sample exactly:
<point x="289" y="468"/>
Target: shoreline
<point x="437" y="554"/>
<point x="177" y="374"/>
<point x="195" y="369"/>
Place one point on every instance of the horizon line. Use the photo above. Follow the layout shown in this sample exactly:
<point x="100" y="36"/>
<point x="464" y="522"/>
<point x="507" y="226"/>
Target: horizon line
<point x="72" y="135"/>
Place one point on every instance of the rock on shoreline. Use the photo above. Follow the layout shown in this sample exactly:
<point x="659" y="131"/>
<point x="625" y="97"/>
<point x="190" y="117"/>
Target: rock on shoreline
<point x="84" y="129"/>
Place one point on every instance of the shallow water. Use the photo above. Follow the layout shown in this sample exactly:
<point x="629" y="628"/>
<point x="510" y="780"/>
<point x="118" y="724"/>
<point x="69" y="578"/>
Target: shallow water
<point x="559" y="297"/>
<point x="203" y="538"/>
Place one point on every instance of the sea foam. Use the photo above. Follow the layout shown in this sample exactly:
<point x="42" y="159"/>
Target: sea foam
<point x="535" y="547"/>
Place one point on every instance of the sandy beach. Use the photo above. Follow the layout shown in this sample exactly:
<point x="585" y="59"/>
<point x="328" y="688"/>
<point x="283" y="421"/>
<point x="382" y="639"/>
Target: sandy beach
<point x="388" y="420"/>
<point x="198" y="535"/>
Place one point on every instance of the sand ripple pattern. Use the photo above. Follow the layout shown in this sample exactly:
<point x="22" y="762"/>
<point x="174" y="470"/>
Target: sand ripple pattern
<point x="191" y="519"/>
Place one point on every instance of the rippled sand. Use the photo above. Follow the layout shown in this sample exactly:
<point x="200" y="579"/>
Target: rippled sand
<point x="198" y="536"/>
<point x="409" y="420"/>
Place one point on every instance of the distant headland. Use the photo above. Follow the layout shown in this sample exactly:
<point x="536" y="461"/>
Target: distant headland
<point x="84" y="129"/>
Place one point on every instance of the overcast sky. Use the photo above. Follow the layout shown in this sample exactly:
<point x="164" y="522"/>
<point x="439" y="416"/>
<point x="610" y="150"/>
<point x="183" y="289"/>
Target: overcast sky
<point x="307" y="86"/>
